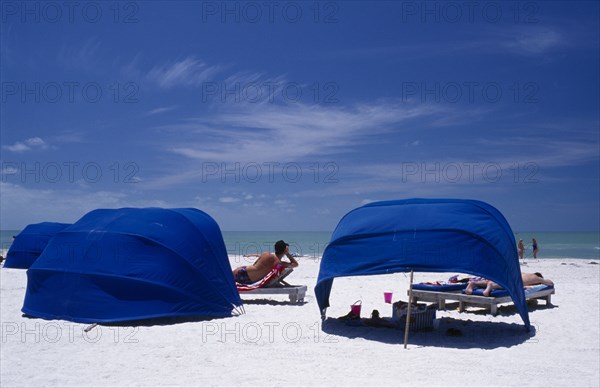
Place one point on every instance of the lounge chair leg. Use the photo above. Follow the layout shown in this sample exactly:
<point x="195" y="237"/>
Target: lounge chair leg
<point x="301" y="295"/>
<point x="494" y="309"/>
<point x="292" y="298"/>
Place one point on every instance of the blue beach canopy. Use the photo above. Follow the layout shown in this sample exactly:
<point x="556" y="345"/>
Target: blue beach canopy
<point x="424" y="235"/>
<point x="116" y="265"/>
<point x="29" y="244"/>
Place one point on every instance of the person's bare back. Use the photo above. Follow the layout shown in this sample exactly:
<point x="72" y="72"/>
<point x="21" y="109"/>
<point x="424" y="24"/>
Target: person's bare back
<point x="532" y="279"/>
<point x="262" y="266"/>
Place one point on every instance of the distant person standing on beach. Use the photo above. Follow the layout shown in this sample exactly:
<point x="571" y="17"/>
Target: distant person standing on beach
<point x="535" y="247"/>
<point x="521" y="249"/>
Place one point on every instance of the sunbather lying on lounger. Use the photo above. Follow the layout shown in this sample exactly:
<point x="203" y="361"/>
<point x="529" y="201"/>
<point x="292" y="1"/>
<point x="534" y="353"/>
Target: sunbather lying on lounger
<point x="533" y="279"/>
<point x="529" y="279"/>
<point x="249" y="274"/>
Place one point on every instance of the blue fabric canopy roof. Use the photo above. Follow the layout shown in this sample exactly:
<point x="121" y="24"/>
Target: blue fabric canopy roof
<point x="130" y="264"/>
<point x="424" y="235"/>
<point x="29" y="244"/>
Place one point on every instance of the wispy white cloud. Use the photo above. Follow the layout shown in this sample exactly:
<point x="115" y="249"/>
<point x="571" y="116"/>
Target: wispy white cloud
<point x="548" y="153"/>
<point x="249" y="77"/>
<point x="187" y="72"/>
<point x="228" y="200"/>
<point x="255" y="87"/>
<point x="531" y="39"/>
<point x="292" y="132"/>
<point x="160" y="110"/>
<point x="528" y="40"/>
<point x="8" y="170"/>
<point x="497" y="165"/>
<point x="70" y="136"/>
<point x="434" y="176"/>
<point x="31" y="144"/>
<point x="86" y="57"/>
<point x="240" y="133"/>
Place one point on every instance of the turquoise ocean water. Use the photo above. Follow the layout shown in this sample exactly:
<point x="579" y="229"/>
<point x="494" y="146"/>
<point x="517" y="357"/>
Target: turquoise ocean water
<point x="553" y="245"/>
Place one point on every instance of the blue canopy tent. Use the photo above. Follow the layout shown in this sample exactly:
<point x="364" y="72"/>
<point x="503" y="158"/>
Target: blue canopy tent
<point x="131" y="264"/>
<point x="29" y="244"/>
<point x="424" y="235"/>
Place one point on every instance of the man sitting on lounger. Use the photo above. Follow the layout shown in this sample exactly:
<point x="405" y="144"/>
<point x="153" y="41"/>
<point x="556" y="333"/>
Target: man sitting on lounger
<point x="529" y="279"/>
<point x="264" y="264"/>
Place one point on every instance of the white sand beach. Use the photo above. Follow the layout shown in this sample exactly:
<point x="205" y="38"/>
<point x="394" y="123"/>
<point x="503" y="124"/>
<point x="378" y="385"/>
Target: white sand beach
<point x="278" y="344"/>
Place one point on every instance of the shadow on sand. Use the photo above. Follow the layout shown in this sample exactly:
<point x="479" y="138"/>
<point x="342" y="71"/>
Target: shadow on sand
<point x="505" y="310"/>
<point x="273" y="302"/>
<point x="166" y="321"/>
<point x="447" y="333"/>
<point x="162" y="321"/>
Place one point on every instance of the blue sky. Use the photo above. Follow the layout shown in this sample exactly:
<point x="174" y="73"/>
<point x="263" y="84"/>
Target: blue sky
<point x="286" y="115"/>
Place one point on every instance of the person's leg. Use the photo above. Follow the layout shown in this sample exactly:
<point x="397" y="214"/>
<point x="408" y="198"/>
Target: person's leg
<point x="475" y="284"/>
<point x="487" y="284"/>
<point x="488" y="288"/>
<point x="469" y="289"/>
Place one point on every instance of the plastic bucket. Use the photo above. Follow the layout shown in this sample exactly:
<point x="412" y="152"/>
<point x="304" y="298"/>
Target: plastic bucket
<point x="355" y="308"/>
<point x="387" y="297"/>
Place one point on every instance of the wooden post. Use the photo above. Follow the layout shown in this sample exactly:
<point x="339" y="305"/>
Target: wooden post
<point x="408" y="310"/>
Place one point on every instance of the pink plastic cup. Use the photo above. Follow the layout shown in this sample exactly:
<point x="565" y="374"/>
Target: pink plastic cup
<point x="387" y="296"/>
